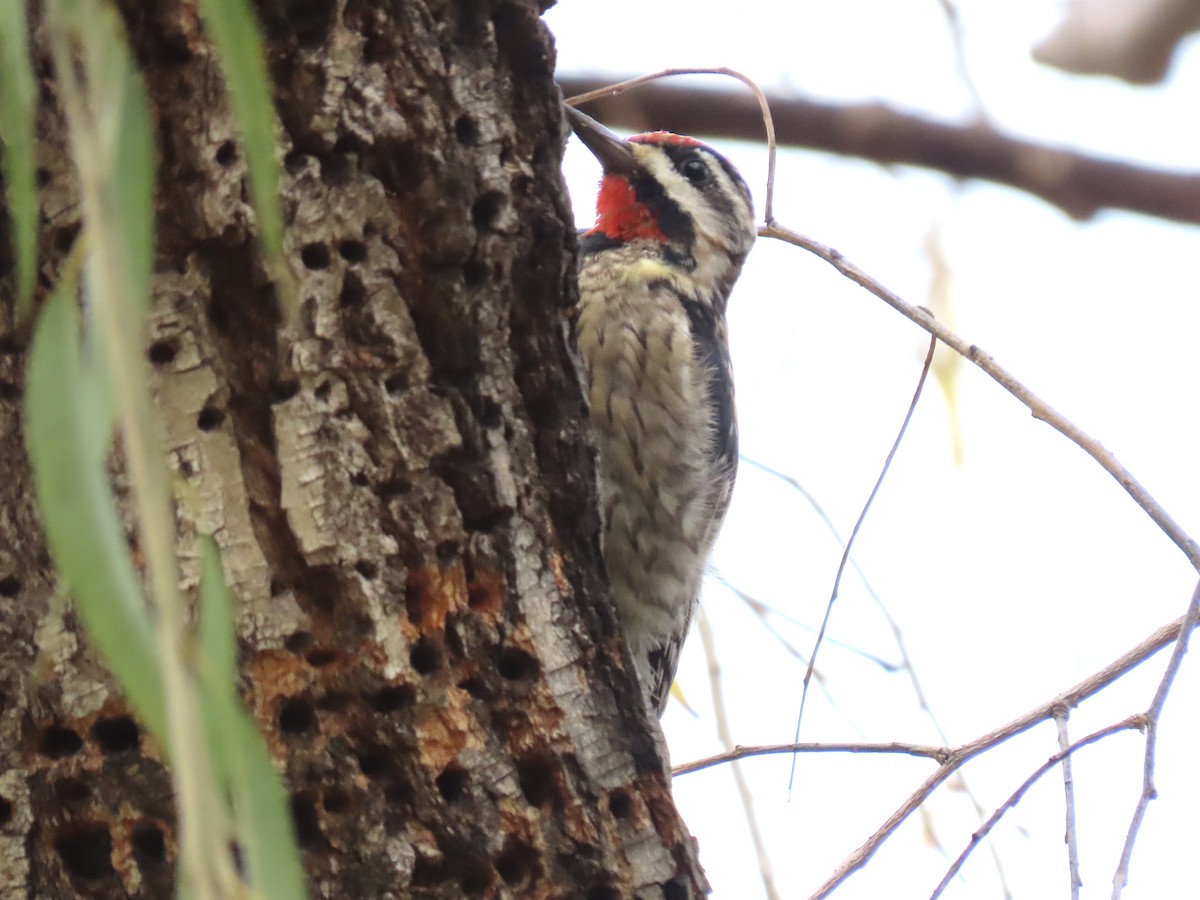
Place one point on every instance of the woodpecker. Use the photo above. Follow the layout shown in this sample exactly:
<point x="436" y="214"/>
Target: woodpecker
<point x="674" y="222"/>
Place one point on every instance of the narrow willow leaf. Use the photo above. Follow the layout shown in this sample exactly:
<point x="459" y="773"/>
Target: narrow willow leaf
<point x="109" y="124"/>
<point x="217" y="640"/>
<point x="265" y="826"/>
<point x="16" y="129"/>
<point x="67" y="434"/>
<point x="234" y="31"/>
<point x="217" y="665"/>
<point x="132" y="190"/>
<point x="114" y="129"/>
<point x="262" y="822"/>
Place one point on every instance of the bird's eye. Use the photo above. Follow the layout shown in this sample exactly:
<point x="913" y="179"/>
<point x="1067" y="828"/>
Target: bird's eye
<point x="695" y="171"/>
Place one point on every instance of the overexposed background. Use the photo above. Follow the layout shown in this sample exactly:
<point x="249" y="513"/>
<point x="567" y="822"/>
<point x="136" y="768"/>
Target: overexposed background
<point x="1014" y="572"/>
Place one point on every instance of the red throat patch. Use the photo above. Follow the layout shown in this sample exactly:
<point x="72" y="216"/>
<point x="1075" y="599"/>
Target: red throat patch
<point x="620" y="215"/>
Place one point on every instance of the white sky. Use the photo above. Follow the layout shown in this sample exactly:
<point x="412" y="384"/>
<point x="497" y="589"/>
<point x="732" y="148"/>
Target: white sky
<point x="1013" y="575"/>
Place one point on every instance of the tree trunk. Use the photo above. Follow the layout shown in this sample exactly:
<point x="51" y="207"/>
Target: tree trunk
<point x="401" y="484"/>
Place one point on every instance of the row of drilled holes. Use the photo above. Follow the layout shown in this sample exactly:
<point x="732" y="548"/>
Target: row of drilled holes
<point x="112" y="735"/>
<point x="85" y="848"/>
<point x="316" y="256"/>
<point x="297" y="715"/>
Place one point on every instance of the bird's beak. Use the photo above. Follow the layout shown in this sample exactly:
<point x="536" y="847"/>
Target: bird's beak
<point x="615" y="153"/>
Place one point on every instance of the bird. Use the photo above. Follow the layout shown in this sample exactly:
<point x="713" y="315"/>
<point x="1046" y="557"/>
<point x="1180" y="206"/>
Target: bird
<point x="674" y="225"/>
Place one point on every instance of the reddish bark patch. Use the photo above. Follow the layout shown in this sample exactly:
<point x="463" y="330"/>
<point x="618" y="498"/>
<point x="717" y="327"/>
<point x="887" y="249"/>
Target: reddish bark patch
<point x="432" y="593"/>
<point x="487" y="593"/>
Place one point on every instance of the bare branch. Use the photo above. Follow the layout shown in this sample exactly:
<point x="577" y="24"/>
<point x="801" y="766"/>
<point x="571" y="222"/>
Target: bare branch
<point x="1061" y="756"/>
<point x="1078" y="183"/>
<point x="952" y="759"/>
<point x="1064" y="745"/>
<point x="1040" y="409"/>
<point x="837" y="580"/>
<point x="906" y="663"/>
<point x="1152" y="715"/>
<point x="1069" y="699"/>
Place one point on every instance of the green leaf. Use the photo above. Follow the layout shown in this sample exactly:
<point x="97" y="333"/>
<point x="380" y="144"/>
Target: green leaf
<point x="262" y="822"/>
<point x="217" y="641"/>
<point x="67" y="433"/>
<point x="218" y="657"/>
<point x="16" y="129"/>
<point x="131" y="198"/>
<point x="120" y="169"/>
<point x="234" y="31"/>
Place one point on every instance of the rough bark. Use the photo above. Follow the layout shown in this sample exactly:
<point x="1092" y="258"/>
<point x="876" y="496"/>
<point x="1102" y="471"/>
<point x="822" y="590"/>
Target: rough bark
<point x="401" y="484"/>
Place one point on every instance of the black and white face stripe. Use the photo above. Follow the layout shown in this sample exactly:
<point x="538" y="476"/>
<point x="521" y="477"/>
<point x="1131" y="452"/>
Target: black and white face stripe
<point x="706" y="213"/>
<point x="667" y="212"/>
<point x="685" y="158"/>
<point x="701" y="189"/>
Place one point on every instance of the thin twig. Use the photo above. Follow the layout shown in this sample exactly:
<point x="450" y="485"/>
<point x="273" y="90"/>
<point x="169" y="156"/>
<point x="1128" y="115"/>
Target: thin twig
<point x="837" y="580"/>
<point x="1040" y="409"/>
<point x="1069" y="699"/>
<point x="1064" y="743"/>
<point x="1043" y="411"/>
<point x="938" y="754"/>
<point x="763" y="611"/>
<point x="906" y="662"/>
<point x="841" y="542"/>
<point x="954" y="22"/>
<point x="1061" y="756"/>
<point x="725" y="734"/>
<point x="764" y="108"/>
<point x="1121" y="876"/>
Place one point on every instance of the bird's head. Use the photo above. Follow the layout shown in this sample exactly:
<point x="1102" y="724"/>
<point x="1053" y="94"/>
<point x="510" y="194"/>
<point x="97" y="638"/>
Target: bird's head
<point x="671" y="191"/>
